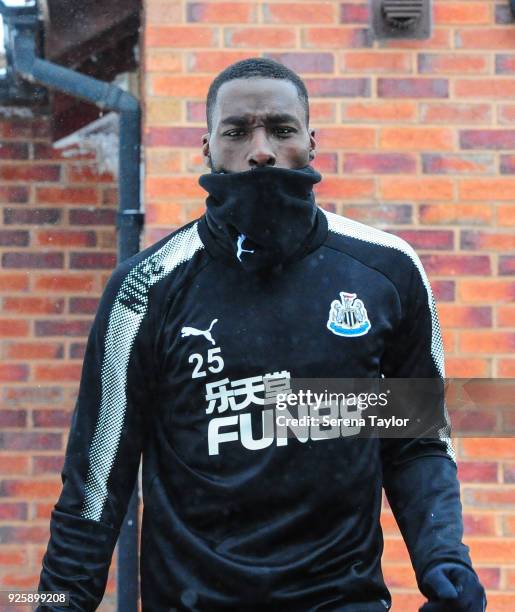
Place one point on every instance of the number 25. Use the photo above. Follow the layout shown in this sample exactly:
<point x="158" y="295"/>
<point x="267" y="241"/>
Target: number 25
<point x="212" y="357"/>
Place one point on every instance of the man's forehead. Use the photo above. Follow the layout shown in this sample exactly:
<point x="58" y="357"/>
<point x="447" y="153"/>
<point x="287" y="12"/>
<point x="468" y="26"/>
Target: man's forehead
<point x="258" y="96"/>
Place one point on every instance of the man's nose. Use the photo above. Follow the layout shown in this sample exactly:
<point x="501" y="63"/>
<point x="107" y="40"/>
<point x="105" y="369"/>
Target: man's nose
<point x="261" y="153"/>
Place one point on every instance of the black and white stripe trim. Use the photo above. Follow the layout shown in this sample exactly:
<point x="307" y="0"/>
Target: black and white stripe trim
<point x="360" y="231"/>
<point x="128" y="311"/>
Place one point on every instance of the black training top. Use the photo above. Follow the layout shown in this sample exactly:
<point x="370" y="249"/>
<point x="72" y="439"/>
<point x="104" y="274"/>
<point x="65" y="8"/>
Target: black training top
<point x="184" y="349"/>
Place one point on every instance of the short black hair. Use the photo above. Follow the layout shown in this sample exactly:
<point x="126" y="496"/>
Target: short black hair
<point x="255" y="67"/>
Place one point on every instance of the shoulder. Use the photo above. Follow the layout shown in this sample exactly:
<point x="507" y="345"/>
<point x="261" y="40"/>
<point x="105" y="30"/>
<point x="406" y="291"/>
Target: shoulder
<point x="367" y="238"/>
<point x="133" y="278"/>
<point x="386" y="252"/>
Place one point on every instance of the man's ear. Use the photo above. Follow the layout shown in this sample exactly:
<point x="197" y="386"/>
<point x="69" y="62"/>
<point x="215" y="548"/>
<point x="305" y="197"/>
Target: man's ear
<point x="312" y="145"/>
<point x="205" y="150"/>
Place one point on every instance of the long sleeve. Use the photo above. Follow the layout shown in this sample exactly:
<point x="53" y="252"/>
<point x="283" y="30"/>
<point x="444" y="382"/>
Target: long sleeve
<point x="419" y="474"/>
<point x="103" y="450"/>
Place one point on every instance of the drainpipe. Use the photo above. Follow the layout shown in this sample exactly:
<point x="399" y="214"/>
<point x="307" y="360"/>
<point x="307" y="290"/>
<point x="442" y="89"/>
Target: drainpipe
<point x="129" y="224"/>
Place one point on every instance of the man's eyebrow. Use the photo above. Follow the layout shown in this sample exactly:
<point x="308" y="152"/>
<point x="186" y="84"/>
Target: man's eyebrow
<point x="241" y="120"/>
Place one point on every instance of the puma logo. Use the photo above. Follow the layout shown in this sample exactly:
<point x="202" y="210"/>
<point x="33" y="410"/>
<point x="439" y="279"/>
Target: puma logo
<point x="193" y="331"/>
<point x="241" y="250"/>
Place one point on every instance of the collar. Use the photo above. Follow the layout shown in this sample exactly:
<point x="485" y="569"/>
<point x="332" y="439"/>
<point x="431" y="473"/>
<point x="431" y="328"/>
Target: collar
<point x="220" y="250"/>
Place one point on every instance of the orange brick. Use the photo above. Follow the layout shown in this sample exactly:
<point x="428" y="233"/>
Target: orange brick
<point x="180" y="86"/>
<point x="322" y="112"/>
<point x="195" y="163"/>
<point x="69" y="195"/>
<point x="452" y="63"/>
<point x="333" y="38"/>
<point x="506" y="214"/>
<point x="407" y="601"/>
<point x="379" y="111"/>
<point x="510" y="580"/>
<point x="488" y="448"/>
<point x="43" y="511"/>
<point x="395" y="551"/>
<point x="452" y="113"/>
<point x="506" y="316"/>
<point x="220" y="12"/>
<point x="460" y="367"/>
<point x="487" y="342"/>
<point x="180" y="36"/>
<point x="491" y="550"/>
<point x="154" y="234"/>
<point x="33" y="489"/>
<point x="12" y="328"/>
<point x="456" y="214"/>
<point x="489" y="497"/>
<point x="506" y="113"/>
<point x="440" y="39"/>
<point x="70" y="238"/>
<point x="163" y="111"/>
<point x="487" y="189"/>
<point x="399" y="576"/>
<point x="345" y="138"/>
<point x="476" y="471"/>
<point x="33" y="305"/>
<point x="57" y="373"/>
<point x="416" y="189"/>
<point x="345" y="189"/>
<point x="163" y="60"/>
<point x="87" y="173"/>
<point x="174" y="136"/>
<point x="466" y="164"/>
<point x="416" y="139"/>
<point x="486" y="291"/>
<point x="485" y="88"/>
<point x="13" y="557"/>
<point x="13" y="372"/>
<point x="213" y="61"/>
<point x="302" y="13"/>
<point x="449" y="340"/>
<point x="490" y="577"/>
<point x="456" y="315"/>
<point x="506" y="368"/>
<point x="509" y="525"/>
<point x="23" y="580"/>
<point x="170" y="213"/>
<point x="14" y="282"/>
<point x="162" y="161"/>
<point x="484" y="38"/>
<point x="14" y="464"/>
<point x="82" y="283"/>
<point x="192" y="211"/>
<point x="372" y="61"/>
<point x="461" y="13"/>
<point x="34" y="350"/>
<point x="259" y="38"/>
<point x="180" y="187"/>
<point x="163" y="11"/>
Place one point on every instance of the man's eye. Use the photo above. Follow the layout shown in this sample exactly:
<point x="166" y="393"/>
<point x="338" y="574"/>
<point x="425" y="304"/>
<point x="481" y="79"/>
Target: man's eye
<point x="235" y="133"/>
<point x="283" y="132"/>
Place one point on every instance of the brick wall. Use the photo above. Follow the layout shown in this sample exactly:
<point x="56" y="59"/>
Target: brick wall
<point x="414" y="137"/>
<point x="57" y="247"/>
<point x="417" y="138"/>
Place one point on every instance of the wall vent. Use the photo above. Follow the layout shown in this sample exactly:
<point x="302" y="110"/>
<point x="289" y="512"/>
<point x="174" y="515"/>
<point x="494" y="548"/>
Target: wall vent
<point x="403" y="19"/>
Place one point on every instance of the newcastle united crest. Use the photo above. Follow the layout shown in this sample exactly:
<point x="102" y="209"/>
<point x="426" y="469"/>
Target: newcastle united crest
<point x="348" y="317"/>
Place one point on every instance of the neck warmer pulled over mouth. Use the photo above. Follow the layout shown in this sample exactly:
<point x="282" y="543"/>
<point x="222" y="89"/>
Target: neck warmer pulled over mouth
<point x="263" y="215"/>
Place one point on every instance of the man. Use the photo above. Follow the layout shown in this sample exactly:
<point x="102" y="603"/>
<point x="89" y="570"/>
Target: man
<point x="192" y="337"/>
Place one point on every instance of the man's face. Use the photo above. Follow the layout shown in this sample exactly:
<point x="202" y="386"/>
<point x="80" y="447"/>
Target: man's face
<point x="258" y="122"/>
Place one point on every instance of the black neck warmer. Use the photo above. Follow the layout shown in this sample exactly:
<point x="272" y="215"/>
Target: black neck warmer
<point x="263" y="216"/>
